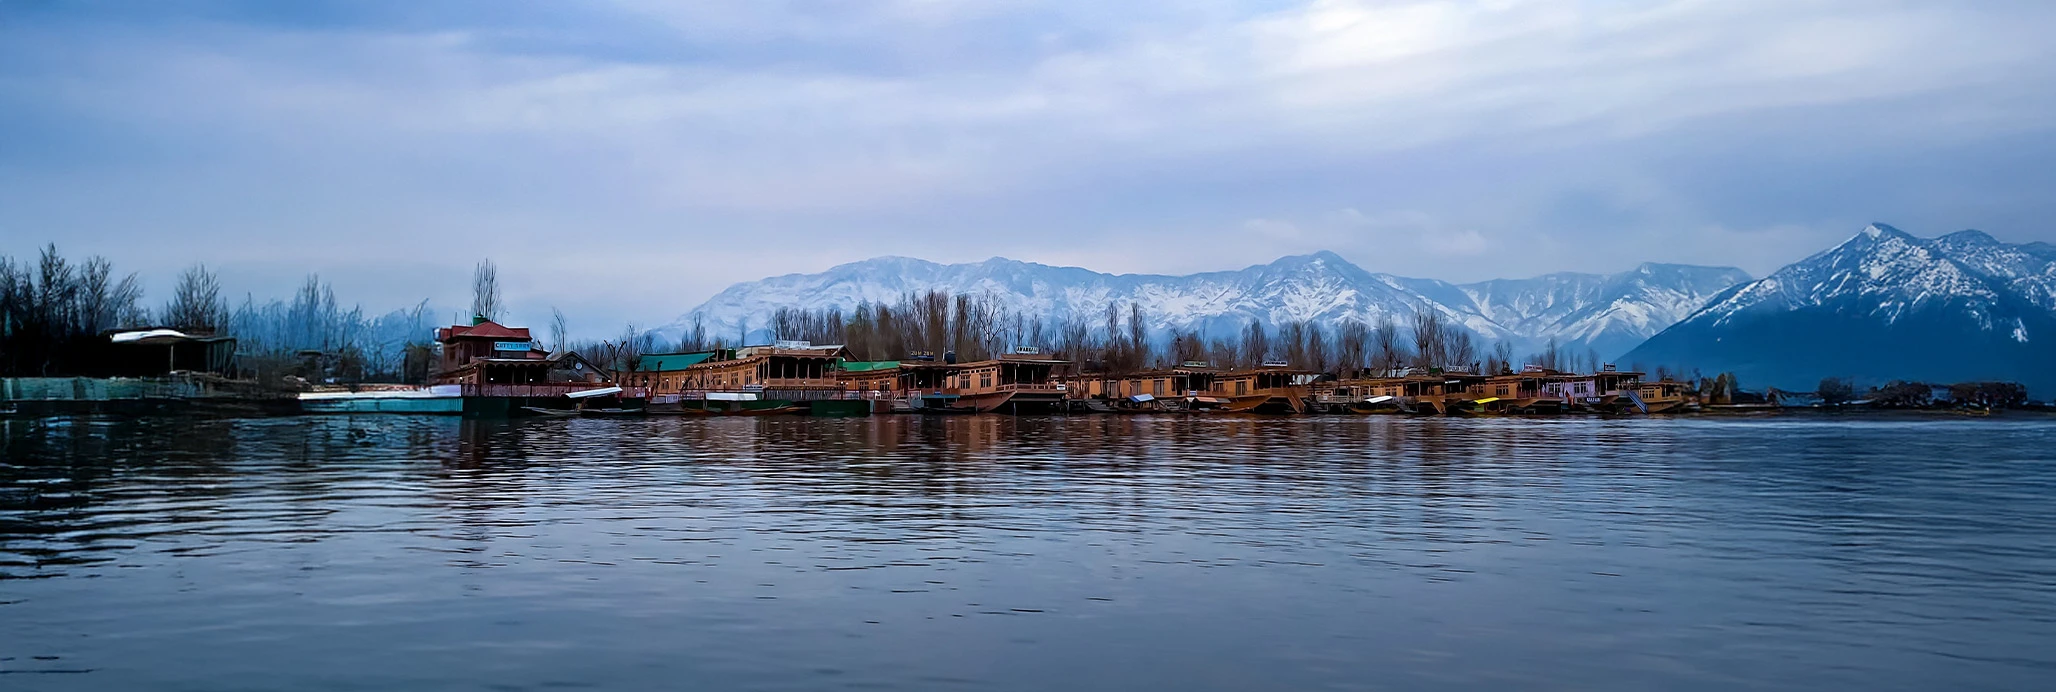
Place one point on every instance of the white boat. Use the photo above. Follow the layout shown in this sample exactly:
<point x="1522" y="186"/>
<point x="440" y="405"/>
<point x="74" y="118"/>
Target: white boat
<point x="440" y="399"/>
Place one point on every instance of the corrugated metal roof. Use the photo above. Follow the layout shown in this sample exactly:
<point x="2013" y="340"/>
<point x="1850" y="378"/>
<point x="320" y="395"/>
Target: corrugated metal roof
<point x="670" y="361"/>
<point x="869" y="365"/>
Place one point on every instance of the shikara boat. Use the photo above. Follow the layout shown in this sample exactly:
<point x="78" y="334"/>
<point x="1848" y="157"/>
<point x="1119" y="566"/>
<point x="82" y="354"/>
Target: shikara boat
<point x="605" y="412"/>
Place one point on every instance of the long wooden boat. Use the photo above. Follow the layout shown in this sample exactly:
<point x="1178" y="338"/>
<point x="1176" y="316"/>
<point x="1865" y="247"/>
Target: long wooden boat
<point x="439" y="399"/>
<point x="779" y="409"/>
<point x="616" y="412"/>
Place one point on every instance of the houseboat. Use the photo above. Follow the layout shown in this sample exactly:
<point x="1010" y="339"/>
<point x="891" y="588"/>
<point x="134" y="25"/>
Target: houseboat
<point x="782" y="377"/>
<point x="1604" y="391"/>
<point x="1013" y="382"/>
<point x="1527" y="391"/>
<point x="1422" y="391"/>
<point x="484" y="369"/>
<point x="881" y="384"/>
<point x="1273" y="387"/>
<point x="1662" y="396"/>
<point x="1360" y="395"/>
<point x="1167" y="389"/>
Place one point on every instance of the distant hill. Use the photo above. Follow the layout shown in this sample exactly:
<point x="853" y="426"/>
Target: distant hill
<point x="1609" y="313"/>
<point x="1883" y="305"/>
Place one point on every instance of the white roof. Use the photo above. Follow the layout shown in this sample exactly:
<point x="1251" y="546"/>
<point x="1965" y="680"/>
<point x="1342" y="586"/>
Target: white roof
<point x="590" y="393"/>
<point x="126" y="337"/>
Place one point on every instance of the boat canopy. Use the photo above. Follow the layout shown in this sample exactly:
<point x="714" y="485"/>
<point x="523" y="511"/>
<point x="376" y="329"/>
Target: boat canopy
<point x="1379" y="399"/>
<point x="1142" y="398"/>
<point x="590" y="393"/>
<point x="731" y="396"/>
<point x="148" y="335"/>
<point x="1486" y="400"/>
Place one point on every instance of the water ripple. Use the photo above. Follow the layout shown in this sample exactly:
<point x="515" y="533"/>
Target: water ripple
<point x="1109" y="552"/>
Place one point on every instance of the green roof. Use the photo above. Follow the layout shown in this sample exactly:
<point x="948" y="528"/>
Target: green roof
<point x="868" y="365"/>
<point x="670" y="361"/>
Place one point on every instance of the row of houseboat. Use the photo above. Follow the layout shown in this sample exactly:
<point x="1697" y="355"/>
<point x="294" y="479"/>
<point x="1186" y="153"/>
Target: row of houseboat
<point x="490" y="369"/>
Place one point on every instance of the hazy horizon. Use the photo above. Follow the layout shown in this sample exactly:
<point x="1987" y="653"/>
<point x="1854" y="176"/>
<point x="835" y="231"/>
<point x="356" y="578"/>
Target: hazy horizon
<point x="625" y="161"/>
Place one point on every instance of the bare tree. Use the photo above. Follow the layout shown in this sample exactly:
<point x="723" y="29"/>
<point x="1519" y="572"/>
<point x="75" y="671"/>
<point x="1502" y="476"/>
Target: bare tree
<point x="1224" y="352"/>
<point x="560" y="330"/>
<point x="1458" y="346"/>
<point x="1256" y="344"/>
<point x="1292" y="343"/>
<point x="1315" y="348"/>
<point x="1502" y="357"/>
<point x="104" y="303"/>
<point x="696" y="337"/>
<point x="196" y="302"/>
<point x="1428" y="348"/>
<point x="1138" y="335"/>
<point x="1388" y="352"/>
<point x="1352" y="348"/>
<point x="485" y="291"/>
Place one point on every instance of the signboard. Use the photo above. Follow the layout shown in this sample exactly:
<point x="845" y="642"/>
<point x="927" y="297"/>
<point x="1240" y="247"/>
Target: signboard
<point x="510" y="345"/>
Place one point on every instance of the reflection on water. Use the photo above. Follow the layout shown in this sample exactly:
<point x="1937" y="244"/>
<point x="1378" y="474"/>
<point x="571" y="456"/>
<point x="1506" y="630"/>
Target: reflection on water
<point x="988" y="552"/>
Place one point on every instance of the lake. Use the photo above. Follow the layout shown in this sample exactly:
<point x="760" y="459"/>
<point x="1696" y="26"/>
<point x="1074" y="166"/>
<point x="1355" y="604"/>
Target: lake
<point x="1033" y="553"/>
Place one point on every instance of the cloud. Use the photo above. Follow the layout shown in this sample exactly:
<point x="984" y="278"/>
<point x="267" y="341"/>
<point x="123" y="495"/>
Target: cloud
<point x="1513" y="137"/>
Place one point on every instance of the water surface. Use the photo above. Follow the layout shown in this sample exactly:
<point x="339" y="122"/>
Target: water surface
<point x="998" y="553"/>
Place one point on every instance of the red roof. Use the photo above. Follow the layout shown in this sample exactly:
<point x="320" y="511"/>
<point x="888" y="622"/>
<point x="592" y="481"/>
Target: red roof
<point x="485" y="330"/>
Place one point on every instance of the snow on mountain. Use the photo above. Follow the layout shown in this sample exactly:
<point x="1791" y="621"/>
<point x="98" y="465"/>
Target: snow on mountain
<point x="1882" y="305"/>
<point x="1885" y="273"/>
<point x="1607" y="313"/>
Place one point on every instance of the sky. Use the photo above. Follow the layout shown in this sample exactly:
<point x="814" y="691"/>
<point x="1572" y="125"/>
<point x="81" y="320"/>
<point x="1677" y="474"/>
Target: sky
<point x="625" y="160"/>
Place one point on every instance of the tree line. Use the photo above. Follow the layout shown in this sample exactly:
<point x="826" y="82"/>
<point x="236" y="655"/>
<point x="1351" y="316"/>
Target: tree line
<point x="51" y="305"/>
<point x="1119" y="338"/>
<point x="53" y="310"/>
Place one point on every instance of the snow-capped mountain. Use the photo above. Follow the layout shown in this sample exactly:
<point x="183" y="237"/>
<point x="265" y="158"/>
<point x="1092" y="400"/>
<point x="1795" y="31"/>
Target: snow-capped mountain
<point x="1883" y="305"/>
<point x="1605" y="313"/>
<point x="1610" y="313"/>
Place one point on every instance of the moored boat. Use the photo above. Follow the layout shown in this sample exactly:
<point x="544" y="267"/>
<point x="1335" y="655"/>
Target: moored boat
<point x="436" y="399"/>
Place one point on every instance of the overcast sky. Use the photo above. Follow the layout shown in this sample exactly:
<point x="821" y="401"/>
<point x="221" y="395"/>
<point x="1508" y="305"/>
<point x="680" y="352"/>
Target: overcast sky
<point x="626" y="160"/>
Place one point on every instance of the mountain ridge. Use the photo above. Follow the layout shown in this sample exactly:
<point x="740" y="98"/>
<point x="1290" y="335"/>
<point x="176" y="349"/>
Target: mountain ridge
<point x="1884" y="304"/>
<point x="1606" y="313"/>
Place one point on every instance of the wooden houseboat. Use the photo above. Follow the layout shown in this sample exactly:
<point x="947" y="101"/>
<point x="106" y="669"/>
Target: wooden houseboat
<point x="883" y="378"/>
<point x="1526" y="391"/>
<point x="1272" y="388"/>
<point x="1415" y="390"/>
<point x="1153" y="390"/>
<point x="1603" y="391"/>
<point x="497" y="370"/>
<point x="1013" y="382"/>
<point x="883" y="383"/>
<point x="1369" y="395"/>
<point x="1662" y="396"/>
<point x="786" y="376"/>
